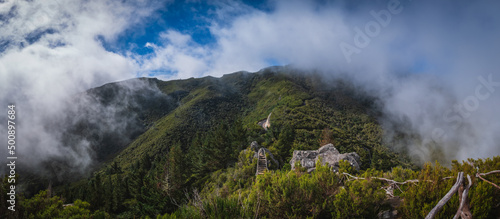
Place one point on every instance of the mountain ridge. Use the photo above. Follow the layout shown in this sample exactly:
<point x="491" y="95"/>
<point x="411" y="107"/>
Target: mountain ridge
<point x="227" y="93"/>
<point x="181" y="147"/>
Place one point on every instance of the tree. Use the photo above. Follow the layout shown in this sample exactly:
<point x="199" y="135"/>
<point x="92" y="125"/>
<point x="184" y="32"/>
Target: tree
<point x="42" y="206"/>
<point x="284" y="143"/>
<point x="174" y="176"/>
<point x="198" y="159"/>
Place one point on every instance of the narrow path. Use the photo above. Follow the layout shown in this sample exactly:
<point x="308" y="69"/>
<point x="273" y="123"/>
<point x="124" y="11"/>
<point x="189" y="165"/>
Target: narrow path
<point x="262" y="162"/>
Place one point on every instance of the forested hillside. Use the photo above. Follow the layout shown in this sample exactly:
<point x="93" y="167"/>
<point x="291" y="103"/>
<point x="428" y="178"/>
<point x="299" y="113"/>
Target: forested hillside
<point x="187" y="156"/>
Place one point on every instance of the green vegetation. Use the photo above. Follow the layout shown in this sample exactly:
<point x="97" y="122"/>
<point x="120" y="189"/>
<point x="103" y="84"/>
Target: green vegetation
<point x="325" y="194"/>
<point x="193" y="159"/>
<point x="43" y="205"/>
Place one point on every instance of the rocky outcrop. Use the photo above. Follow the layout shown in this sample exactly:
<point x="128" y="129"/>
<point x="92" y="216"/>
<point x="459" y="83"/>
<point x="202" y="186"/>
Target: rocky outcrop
<point x="254" y="146"/>
<point x="328" y="153"/>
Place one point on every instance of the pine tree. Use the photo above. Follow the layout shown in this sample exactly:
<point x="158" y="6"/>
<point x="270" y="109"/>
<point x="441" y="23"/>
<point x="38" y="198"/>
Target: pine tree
<point x="198" y="159"/>
<point x="284" y="143"/>
<point x="238" y="135"/>
<point x="96" y="191"/>
<point x="218" y="148"/>
<point x="108" y="194"/>
<point x="174" y="177"/>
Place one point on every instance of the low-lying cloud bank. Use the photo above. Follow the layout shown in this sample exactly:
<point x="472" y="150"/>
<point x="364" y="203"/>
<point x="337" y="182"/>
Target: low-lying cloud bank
<point x="51" y="52"/>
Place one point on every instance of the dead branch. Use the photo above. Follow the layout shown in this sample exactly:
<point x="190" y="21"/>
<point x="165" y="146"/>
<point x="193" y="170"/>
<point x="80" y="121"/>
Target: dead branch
<point x="354" y="177"/>
<point x="464" y="213"/>
<point x="478" y="175"/>
<point x="389" y="190"/>
<point x="388" y="180"/>
<point x="447" y="197"/>
<point x="399" y="189"/>
<point x="494" y="171"/>
<point x="258" y="206"/>
<point x="396" y="182"/>
<point x="463" y="210"/>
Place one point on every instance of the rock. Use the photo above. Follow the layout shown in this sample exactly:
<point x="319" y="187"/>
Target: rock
<point x="254" y="146"/>
<point x="328" y="153"/>
<point x="387" y="214"/>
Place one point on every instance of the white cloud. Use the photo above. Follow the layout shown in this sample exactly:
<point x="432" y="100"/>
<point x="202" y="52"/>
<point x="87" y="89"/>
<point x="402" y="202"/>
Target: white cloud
<point x="176" y="38"/>
<point x="179" y="56"/>
<point x="53" y="53"/>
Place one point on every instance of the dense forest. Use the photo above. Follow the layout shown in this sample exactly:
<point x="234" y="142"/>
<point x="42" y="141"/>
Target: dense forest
<point x="188" y="156"/>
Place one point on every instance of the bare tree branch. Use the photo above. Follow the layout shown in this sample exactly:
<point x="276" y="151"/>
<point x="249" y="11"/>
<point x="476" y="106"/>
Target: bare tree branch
<point x="447" y="197"/>
<point x="388" y="180"/>
<point x="258" y="206"/>
<point x="478" y="175"/>
<point x="463" y="210"/>
<point x="463" y="202"/>
<point x="494" y="171"/>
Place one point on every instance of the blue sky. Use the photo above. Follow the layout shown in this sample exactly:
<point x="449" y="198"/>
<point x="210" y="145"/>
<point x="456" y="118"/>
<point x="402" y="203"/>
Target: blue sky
<point x="180" y="39"/>
<point x="188" y="17"/>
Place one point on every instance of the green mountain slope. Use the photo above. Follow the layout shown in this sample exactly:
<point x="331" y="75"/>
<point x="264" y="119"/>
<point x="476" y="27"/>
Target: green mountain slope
<point x="190" y="129"/>
<point x="302" y="102"/>
<point x="200" y="126"/>
<point x="180" y="149"/>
